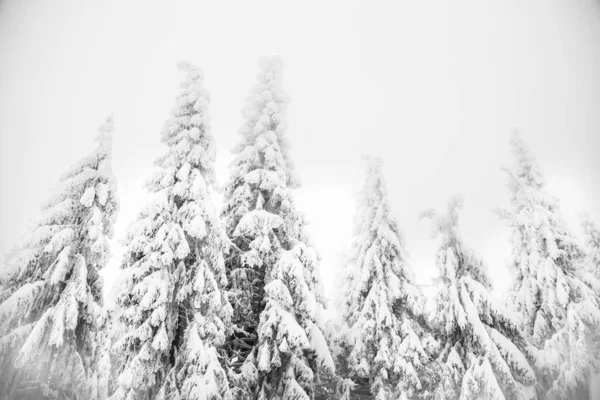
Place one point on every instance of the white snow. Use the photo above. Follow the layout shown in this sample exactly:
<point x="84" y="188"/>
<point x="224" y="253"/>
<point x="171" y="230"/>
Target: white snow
<point x="88" y="196"/>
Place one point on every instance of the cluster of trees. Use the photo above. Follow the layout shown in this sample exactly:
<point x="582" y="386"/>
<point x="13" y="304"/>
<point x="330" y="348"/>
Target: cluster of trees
<point x="543" y="343"/>
<point x="228" y="304"/>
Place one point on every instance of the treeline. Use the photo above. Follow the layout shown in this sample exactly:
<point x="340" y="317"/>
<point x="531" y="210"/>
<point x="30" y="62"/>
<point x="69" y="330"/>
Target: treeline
<point x="228" y="304"/>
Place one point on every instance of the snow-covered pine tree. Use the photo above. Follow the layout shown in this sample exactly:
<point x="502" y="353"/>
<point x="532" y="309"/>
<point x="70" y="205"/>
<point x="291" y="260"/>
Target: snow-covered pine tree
<point x="278" y="346"/>
<point x="385" y="350"/>
<point x="553" y="291"/>
<point x="52" y="293"/>
<point x="592" y="243"/>
<point x="172" y="301"/>
<point x="480" y="344"/>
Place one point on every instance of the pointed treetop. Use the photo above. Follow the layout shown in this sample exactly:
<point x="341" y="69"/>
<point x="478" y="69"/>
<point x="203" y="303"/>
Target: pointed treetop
<point x="274" y="66"/>
<point x="108" y="124"/>
<point x="105" y="132"/>
<point x="454" y="206"/>
<point x="374" y="163"/>
<point x="375" y="182"/>
<point x="264" y="128"/>
<point x="527" y="167"/>
<point x="191" y="68"/>
<point x="441" y="222"/>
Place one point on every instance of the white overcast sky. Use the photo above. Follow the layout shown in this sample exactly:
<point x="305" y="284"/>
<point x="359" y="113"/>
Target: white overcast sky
<point x="433" y="87"/>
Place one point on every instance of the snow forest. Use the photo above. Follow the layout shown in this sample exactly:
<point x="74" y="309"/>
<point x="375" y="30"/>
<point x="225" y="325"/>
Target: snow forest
<point x="220" y="296"/>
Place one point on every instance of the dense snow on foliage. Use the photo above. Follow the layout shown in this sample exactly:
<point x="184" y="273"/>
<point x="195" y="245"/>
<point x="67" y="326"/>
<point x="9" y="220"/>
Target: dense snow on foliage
<point x="383" y="346"/>
<point x="278" y="348"/>
<point x="555" y="294"/>
<point x="172" y="304"/>
<point x="592" y="243"/>
<point x="228" y="304"/>
<point x="51" y="292"/>
<point x="481" y="352"/>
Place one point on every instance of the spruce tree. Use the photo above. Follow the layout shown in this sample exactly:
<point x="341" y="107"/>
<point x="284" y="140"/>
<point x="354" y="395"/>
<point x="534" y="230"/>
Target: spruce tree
<point x="278" y="347"/>
<point x="552" y="289"/>
<point x="592" y="246"/>
<point x="385" y="348"/>
<point x="481" y="352"/>
<point x="172" y="303"/>
<point x="51" y="308"/>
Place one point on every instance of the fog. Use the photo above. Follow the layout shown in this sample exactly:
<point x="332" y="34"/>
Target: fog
<point x="434" y="88"/>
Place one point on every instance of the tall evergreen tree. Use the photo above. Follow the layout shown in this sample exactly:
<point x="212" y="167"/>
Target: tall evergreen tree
<point x="278" y="347"/>
<point x="51" y="291"/>
<point x="592" y="245"/>
<point x="552" y="290"/>
<point x="172" y="301"/>
<point x="480" y="353"/>
<point x="385" y="349"/>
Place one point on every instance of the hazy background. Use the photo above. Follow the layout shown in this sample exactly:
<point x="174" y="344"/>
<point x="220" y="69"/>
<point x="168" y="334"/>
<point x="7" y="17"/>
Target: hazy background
<point x="434" y="87"/>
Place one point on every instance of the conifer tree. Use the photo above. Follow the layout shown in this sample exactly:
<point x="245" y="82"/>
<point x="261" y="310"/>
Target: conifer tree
<point x="385" y="349"/>
<point x="278" y="347"/>
<point x="592" y="250"/>
<point x="480" y="345"/>
<point x="172" y="303"/>
<point x="553" y="291"/>
<point x="592" y="245"/>
<point x="51" y="308"/>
